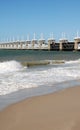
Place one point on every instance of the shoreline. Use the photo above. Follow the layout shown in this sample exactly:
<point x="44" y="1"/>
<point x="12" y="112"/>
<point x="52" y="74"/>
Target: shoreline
<point x="59" y="111"/>
<point x="18" y="96"/>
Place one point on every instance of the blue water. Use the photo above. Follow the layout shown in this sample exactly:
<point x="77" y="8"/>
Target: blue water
<point x="19" y="81"/>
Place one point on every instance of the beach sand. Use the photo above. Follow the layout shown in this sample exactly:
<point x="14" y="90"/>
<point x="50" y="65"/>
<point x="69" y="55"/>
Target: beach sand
<point x="57" y="111"/>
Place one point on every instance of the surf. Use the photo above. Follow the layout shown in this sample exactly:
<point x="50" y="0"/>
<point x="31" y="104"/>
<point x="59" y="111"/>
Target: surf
<point x="10" y="66"/>
<point x="14" y="76"/>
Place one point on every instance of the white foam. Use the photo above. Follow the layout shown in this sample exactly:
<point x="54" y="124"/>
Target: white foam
<point x="20" y="78"/>
<point x="73" y="62"/>
<point x="9" y="66"/>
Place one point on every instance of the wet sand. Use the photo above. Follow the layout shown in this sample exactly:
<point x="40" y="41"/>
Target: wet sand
<point x="57" y="111"/>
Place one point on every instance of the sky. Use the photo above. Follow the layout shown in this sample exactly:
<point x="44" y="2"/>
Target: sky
<point x="18" y="18"/>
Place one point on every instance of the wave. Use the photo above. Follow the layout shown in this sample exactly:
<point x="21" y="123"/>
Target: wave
<point x="10" y="66"/>
<point x="35" y="77"/>
<point x="48" y="62"/>
<point x="73" y="61"/>
<point x="42" y="62"/>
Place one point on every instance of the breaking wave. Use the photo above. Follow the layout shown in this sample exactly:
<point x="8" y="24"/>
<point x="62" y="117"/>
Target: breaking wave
<point x="10" y="66"/>
<point x="13" y="75"/>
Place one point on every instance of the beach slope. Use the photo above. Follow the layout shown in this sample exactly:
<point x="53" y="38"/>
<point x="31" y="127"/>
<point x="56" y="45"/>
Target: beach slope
<point x="57" y="111"/>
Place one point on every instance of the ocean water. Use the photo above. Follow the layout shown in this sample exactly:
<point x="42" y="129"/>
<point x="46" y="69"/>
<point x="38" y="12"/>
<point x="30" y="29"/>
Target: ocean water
<point x="25" y="73"/>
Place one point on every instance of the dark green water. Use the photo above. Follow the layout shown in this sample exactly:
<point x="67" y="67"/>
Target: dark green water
<point x="33" y="55"/>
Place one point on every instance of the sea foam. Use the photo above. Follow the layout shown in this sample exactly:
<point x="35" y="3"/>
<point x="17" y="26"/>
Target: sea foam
<point x="9" y="66"/>
<point x="14" y="77"/>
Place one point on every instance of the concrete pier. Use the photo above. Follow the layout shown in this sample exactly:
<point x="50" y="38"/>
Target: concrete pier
<point x="77" y="44"/>
<point x="51" y="41"/>
<point x="34" y="42"/>
<point x="62" y="42"/>
<point x="29" y="45"/>
<point x="42" y="44"/>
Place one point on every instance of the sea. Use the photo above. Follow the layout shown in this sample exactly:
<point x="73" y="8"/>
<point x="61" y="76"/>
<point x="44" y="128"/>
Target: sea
<point x="27" y="73"/>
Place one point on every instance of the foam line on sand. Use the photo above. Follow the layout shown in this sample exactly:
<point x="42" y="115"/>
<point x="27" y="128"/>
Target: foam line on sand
<point x="57" y="111"/>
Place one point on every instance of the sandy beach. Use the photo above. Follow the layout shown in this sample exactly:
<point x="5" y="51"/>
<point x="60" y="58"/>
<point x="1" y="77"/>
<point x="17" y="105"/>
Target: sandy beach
<point x="57" y="111"/>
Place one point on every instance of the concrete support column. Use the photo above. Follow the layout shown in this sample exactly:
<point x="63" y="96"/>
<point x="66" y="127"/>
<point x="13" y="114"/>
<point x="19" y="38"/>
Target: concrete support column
<point x="60" y="47"/>
<point x="21" y="45"/>
<point x="1" y="46"/>
<point x="61" y="43"/>
<point x="13" y="45"/>
<point x="76" y="42"/>
<point x="41" y="42"/>
<point x="50" y="41"/>
<point x="16" y="45"/>
<point x="75" y="46"/>
<point x="33" y="43"/>
<point x="26" y="45"/>
<point x="9" y="45"/>
<point x="6" y="46"/>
